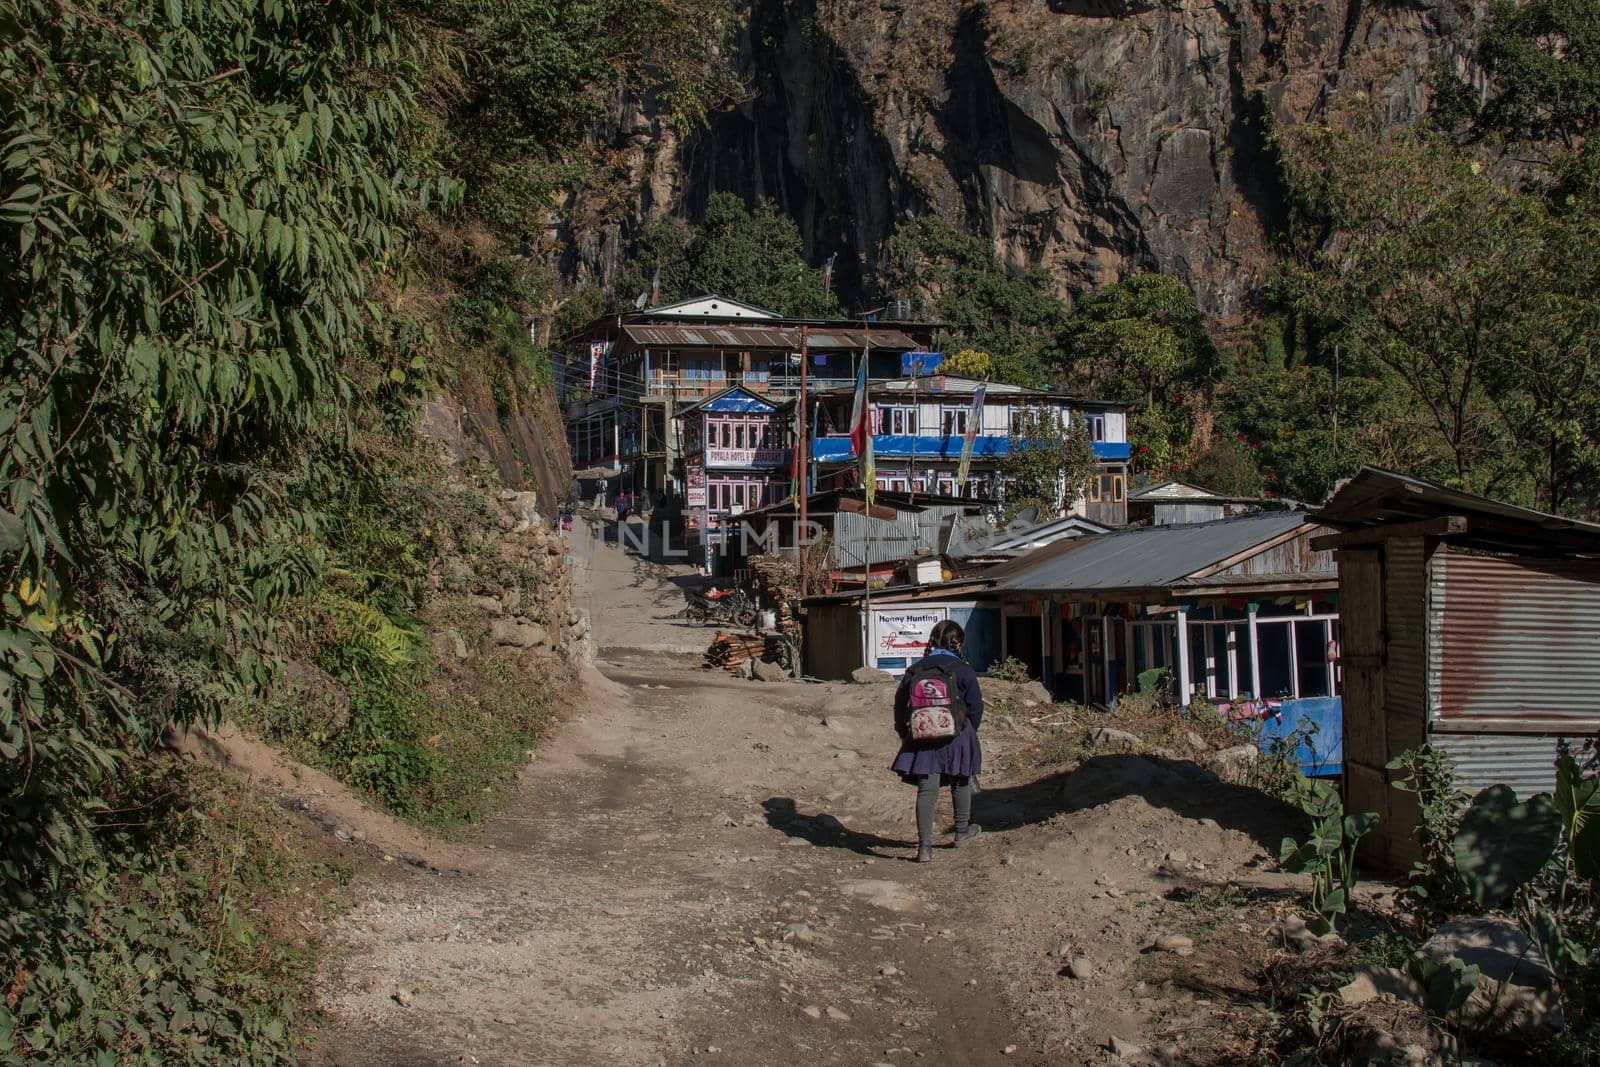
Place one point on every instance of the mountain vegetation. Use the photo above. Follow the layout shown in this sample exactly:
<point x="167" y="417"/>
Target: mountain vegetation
<point x="1432" y="310"/>
<point x="242" y="242"/>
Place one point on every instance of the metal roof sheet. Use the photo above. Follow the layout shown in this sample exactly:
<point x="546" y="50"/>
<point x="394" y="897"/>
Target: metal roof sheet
<point x="734" y="399"/>
<point x="713" y="335"/>
<point x="1143" y="558"/>
<point x="1376" y="497"/>
<point x="745" y="337"/>
<point x="831" y="338"/>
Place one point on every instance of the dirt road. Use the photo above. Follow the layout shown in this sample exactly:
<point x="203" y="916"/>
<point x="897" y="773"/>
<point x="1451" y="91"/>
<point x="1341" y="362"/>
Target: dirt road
<point x="705" y="870"/>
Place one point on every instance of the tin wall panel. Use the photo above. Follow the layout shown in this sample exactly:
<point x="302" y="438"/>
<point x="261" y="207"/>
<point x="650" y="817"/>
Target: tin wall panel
<point x="1524" y="762"/>
<point x="1514" y="638"/>
<point x="856" y="537"/>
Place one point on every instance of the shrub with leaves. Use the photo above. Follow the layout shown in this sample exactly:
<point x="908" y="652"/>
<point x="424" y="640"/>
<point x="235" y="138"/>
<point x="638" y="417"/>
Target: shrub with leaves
<point x="1329" y="854"/>
<point x="198" y="201"/>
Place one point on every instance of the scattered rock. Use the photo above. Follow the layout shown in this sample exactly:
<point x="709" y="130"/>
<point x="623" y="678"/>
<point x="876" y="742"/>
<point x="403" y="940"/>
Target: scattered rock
<point x="1178" y="944"/>
<point x="802" y="933"/>
<point x="512" y="634"/>
<point x="1373" y="982"/>
<point x="1037" y="693"/>
<point x="1081" y="968"/>
<point x="1177" y="856"/>
<point x="1106" y="737"/>
<point x="490" y="604"/>
<point x="811" y="1011"/>
<point x="888" y="970"/>
<point x="1294" y="932"/>
<point x="1517" y="991"/>
<point x="838" y="1015"/>
<point x="458" y="644"/>
<point x="870" y="676"/>
<point x="890" y="896"/>
<point x="769" y="672"/>
<point x="1195" y="741"/>
<point x="1234" y="762"/>
<point x="1009" y="1050"/>
<point x="1123" y="1050"/>
<point x="402" y="998"/>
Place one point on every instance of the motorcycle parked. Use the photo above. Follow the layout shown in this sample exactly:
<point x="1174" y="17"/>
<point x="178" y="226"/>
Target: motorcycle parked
<point x="722" y="606"/>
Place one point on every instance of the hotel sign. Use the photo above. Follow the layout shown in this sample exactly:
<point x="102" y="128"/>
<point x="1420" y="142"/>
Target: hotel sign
<point x="747" y="457"/>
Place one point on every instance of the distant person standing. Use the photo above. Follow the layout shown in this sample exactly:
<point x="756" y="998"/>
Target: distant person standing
<point x="937" y="710"/>
<point x="624" y="505"/>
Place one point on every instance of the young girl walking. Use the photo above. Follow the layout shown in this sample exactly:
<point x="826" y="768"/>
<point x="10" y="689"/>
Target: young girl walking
<point x="945" y="680"/>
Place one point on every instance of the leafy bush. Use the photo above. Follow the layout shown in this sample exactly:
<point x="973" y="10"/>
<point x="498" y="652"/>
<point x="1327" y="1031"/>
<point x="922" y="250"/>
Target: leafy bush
<point x="1329" y="854"/>
<point x="1429" y="774"/>
<point x="1011" y="670"/>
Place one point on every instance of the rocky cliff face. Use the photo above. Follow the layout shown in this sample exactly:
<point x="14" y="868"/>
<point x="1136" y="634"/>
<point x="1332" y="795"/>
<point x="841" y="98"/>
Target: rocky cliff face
<point x="1097" y="137"/>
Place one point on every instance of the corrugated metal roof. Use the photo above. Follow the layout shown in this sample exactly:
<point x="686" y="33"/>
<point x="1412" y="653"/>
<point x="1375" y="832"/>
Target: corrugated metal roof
<point x="782" y="338"/>
<point x="825" y="338"/>
<point x="733" y="399"/>
<point x="1172" y="490"/>
<point x="714" y="335"/>
<point x="1376" y="497"/>
<point x="1149" y="557"/>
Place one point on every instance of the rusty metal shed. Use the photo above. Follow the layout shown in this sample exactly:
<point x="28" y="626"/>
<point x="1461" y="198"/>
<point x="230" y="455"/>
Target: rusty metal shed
<point x="1469" y="624"/>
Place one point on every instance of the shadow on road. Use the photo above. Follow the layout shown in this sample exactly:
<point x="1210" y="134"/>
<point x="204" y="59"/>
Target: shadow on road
<point x="1179" y="786"/>
<point x="825" y="831"/>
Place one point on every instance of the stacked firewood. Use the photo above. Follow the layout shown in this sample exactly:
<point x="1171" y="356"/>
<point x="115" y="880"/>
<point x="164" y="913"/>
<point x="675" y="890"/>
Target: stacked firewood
<point x="777" y="582"/>
<point x="730" y="651"/>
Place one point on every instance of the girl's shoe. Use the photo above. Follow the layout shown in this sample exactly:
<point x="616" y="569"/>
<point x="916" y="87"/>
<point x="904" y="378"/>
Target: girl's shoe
<point x="964" y="836"/>
<point x="924" y="853"/>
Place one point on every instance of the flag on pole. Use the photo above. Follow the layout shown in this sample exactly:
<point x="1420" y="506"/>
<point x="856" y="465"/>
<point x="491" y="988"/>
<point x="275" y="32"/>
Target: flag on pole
<point x="827" y="271"/>
<point x="861" y="435"/>
<point x="968" y="439"/>
<point x="596" y="350"/>
<point x="797" y="464"/>
<point x="655" y="287"/>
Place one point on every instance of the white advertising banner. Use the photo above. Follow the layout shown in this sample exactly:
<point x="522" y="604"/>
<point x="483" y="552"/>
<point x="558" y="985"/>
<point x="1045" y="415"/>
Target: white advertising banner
<point x="900" y="634"/>
<point x="747" y="457"/>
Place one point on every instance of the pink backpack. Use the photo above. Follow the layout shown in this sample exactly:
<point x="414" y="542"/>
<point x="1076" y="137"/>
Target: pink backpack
<point x="937" y="712"/>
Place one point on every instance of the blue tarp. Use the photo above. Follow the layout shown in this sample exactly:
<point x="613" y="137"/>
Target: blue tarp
<point x="1321" y="754"/>
<point x="900" y="446"/>
<point x="737" y="403"/>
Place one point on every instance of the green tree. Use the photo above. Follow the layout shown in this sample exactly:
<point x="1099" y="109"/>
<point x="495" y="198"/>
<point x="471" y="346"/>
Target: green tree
<point x="1541" y="59"/>
<point x="754" y="253"/>
<point x="969" y="363"/>
<point x="1467" y="292"/>
<point x="954" y="277"/>
<point x="1048" y="464"/>
<point x="1142" y="338"/>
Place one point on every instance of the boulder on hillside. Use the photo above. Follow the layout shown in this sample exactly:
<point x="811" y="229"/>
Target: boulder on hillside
<point x="870" y="676"/>
<point x="1036" y="693"/>
<point x="1121" y="740"/>
<point x="512" y="633"/>
<point x="769" y="672"/>
<point x="1517" y="991"/>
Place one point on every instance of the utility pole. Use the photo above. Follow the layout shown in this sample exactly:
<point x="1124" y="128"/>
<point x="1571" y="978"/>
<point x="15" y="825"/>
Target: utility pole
<point x="867" y="658"/>
<point x="804" y="446"/>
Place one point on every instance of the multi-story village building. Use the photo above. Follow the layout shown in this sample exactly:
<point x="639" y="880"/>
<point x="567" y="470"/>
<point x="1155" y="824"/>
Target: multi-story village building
<point x="737" y="456"/>
<point x="627" y="376"/>
<point x="919" y="424"/>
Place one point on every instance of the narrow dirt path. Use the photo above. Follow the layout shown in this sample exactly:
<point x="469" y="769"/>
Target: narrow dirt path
<point x="704" y="870"/>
